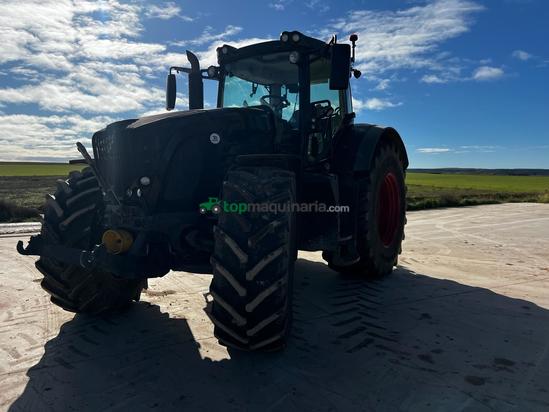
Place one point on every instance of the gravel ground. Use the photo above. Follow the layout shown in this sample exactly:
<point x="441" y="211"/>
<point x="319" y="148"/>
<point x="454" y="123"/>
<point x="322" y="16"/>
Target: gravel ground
<point x="460" y="325"/>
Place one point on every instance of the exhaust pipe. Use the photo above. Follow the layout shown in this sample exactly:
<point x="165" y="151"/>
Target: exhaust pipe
<point x="196" y="86"/>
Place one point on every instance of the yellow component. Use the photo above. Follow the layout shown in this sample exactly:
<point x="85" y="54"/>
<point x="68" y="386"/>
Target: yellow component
<point x="117" y="241"/>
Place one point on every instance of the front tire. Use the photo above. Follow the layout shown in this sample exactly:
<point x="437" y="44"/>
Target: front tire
<point x="381" y="215"/>
<point x="253" y="261"/>
<point x="69" y="220"/>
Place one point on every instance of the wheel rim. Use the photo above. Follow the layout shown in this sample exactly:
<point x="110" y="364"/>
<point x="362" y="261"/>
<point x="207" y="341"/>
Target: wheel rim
<point x="388" y="214"/>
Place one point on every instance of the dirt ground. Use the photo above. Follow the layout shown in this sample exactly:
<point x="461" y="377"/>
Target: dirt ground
<point x="462" y="324"/>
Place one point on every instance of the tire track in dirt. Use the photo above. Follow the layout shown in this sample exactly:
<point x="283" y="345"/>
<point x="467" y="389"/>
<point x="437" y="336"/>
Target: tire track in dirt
<point x="357" y="314"/>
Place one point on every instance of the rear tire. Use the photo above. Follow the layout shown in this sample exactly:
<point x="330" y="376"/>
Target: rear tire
<point x="253" y="261"/>
<point x="381" y="215"/>
<point x="69" y="220"/>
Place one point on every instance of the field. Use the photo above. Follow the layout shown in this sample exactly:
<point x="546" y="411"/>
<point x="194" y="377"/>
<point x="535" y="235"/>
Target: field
<point x="429" y="190"/>
<point x="23" y="186"/>
<point x="36" y="169"/>
<point x="517" y="184"/>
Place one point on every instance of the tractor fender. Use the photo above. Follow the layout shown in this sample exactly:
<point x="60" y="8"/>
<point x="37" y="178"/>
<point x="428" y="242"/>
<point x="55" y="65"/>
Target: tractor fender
<point x="357" y="147"/>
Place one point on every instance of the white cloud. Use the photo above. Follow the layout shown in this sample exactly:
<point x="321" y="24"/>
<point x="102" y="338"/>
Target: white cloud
<point x="317" y="5"/>
<point x="460" y="149"/>
<point x="280" y="5"/>
<point x="208" y="36"/>
<point x="165" y="11"/>
<point x="521" y="55"/>
<point x="373" y="104"/>
<point x="433" y="78"/>
<point x="78" y="60"/>
<point x="482" y="73"/>
<point x="479" y="148"/>
<point x="485" y="73"/>
<point x="24" y="73"/>
<point x="96" y="95"/>
<point x="383" y="85"/>
<point x="118" y="49"/>
<point x="411" y="39"/>
<point x="433" y="150"/>
<point x="46" y="138"/>
<point x="407" y="38"/>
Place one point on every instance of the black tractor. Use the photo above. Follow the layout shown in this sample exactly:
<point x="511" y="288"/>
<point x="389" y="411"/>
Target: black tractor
<point x="278" y="166"/>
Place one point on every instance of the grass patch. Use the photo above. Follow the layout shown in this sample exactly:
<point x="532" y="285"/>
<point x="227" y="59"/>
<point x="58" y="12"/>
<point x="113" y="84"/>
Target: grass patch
<point x="544" y="198"/>
<point x="28" y="191"/>
<point x="494" y="183"/>
<point x="37" y="169"/>
<point x="12" y="212"/>
<point x="425" y="197"/>
<point x="430" y="190"/>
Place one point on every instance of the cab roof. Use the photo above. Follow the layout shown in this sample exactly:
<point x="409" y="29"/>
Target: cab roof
<point x="304" y="44"/>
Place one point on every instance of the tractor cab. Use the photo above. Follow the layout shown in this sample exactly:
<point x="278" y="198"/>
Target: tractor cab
<point x="303" y="81"/>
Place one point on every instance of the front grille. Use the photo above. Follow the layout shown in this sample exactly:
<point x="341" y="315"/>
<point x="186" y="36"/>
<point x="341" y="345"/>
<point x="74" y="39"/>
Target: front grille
<point x="174" y="150"/>
<point x="103" y="145"/>
<point x="123" y="157"/>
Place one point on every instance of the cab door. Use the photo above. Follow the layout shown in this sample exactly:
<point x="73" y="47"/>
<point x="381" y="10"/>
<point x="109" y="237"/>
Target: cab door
<point x="328" y="108"/>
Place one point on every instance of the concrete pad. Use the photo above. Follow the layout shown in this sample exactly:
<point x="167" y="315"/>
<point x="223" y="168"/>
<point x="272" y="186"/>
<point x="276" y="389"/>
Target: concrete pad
<point x="460" y="325"/>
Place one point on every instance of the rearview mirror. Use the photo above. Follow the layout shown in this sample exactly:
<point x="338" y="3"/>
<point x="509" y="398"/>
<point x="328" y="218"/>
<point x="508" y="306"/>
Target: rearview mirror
<point x="170" y="91"/>
<point x="341" y="67"/>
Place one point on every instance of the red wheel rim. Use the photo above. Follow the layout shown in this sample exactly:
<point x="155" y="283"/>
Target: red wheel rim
<point x="388" y="213"/>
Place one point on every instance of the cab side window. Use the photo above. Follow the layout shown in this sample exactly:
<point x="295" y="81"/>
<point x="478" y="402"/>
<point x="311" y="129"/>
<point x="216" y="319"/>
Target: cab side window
<point x="321" y="95"/>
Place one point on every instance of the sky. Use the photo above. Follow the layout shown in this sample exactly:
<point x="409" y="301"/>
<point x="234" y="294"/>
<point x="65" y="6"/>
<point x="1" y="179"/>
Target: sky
<point x="465" y="82"/>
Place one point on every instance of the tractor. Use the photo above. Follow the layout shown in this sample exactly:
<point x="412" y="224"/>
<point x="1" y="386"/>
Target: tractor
<point x="282" y="133"/>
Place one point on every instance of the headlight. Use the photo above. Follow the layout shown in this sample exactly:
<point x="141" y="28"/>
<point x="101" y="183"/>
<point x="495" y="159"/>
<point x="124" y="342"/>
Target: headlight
<point x="284" y="37"/>
<point x="296" y="37"/>
<point x="294" y="57"/>
<point x="224" y="50"/>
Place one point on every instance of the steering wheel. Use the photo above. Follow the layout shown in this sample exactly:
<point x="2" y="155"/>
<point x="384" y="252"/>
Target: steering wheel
<point x="282" y="101"/>
<point x="322" y="108"/>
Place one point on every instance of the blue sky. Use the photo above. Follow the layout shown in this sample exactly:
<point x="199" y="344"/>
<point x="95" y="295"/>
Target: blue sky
<point x="464" y="81"/>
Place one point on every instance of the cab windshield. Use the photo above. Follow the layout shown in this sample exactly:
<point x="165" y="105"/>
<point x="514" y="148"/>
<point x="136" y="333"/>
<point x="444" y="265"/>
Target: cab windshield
<point x="263" y="80"/>
<point x="272" y="80"/>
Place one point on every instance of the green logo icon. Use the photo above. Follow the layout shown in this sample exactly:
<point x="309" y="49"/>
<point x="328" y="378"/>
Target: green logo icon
<point x="212" y="205"/>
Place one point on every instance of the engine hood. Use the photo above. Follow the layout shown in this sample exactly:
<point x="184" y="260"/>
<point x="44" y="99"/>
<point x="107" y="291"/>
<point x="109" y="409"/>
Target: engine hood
<point x="201" y="119"/>
<point x="184" y="154"/>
